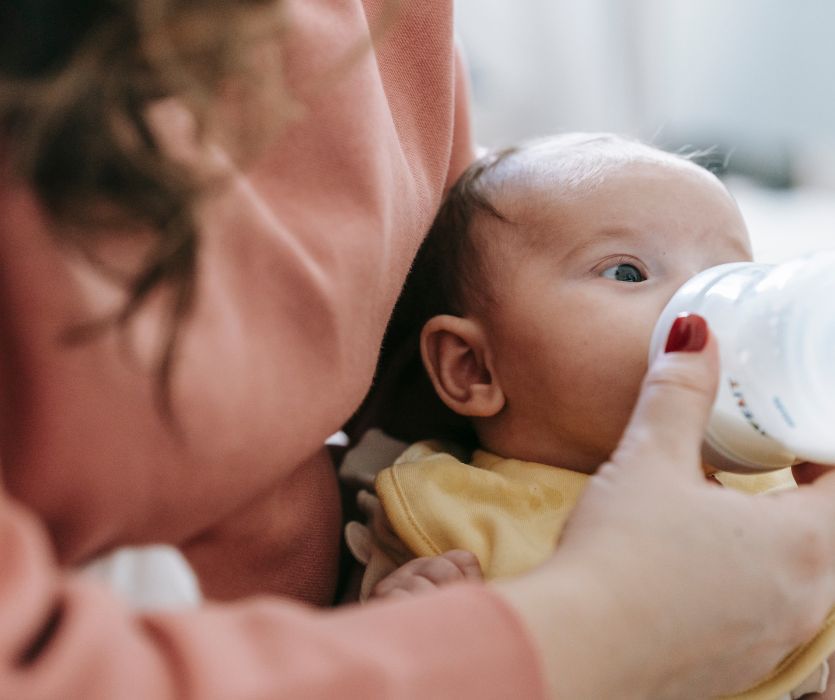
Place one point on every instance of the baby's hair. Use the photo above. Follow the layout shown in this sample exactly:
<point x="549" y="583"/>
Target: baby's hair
<point x="448" y="269"/>
<point x="451" y="272"/>
<point x="445" y="271"/>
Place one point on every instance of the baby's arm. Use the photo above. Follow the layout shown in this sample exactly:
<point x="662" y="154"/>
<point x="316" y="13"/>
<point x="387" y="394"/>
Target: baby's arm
<point x="829" y="692"/>
<point x="428" y="573"/>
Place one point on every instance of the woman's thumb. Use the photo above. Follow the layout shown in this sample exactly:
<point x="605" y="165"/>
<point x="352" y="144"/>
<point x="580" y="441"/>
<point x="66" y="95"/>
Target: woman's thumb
<point x="669" y="420"/>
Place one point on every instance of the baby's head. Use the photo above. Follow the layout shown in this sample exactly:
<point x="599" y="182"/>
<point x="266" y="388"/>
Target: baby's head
<point x="543" y="276"/>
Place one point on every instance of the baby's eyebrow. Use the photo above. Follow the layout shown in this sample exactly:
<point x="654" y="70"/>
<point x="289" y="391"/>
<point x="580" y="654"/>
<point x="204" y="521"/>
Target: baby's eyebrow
<point x="603" y="236"/>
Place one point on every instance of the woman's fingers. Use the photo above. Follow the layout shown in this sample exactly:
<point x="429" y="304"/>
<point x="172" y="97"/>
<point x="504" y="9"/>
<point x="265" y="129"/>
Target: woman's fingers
<point x="713" y="585"/>
<point x="668" y="423"/>
<point x="808" y="472"/>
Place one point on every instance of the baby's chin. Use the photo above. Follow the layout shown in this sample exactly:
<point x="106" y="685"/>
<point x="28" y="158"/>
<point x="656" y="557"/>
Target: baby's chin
<point x="555" y="457"/>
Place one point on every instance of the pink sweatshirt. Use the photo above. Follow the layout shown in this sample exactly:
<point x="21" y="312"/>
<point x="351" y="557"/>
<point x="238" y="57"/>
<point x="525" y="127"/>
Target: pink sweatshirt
<point x="301" y="262"/>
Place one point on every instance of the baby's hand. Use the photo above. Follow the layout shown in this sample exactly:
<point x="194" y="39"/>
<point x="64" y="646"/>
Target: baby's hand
<point x="829" y="693"/>
<point x="428" y="573"/>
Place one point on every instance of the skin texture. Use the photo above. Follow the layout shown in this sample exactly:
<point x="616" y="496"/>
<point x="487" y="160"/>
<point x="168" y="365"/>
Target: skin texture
<point x="564" y="343"/>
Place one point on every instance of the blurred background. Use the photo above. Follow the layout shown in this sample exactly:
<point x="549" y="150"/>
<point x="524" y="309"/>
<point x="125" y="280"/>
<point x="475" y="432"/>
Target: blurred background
<point x="751" y="79"/>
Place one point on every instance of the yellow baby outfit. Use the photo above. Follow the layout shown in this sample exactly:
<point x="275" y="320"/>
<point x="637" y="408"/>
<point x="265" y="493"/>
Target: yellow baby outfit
<point x="509" y="513"/>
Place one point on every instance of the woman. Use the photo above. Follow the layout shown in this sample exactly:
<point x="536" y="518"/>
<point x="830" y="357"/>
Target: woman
<point x="198" y="261"/>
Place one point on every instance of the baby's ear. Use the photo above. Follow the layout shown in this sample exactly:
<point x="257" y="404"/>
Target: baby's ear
<point x="459" y="362"/>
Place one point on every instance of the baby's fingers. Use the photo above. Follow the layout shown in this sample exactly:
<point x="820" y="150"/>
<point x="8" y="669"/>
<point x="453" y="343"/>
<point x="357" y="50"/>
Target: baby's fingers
<point x="426" y="573"/>
<point x="466" y="562"/>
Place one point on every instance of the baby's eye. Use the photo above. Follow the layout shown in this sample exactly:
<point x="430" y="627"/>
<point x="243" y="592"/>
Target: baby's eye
<point x="624" y="272"/>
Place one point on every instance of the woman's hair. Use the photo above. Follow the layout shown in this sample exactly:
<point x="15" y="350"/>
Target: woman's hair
<point x="76" y="81"/>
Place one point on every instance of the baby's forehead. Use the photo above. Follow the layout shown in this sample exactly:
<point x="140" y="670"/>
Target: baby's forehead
<point x="528" y="184"/>
<point x="539" y="188"/>
<point x="567" y="166"/>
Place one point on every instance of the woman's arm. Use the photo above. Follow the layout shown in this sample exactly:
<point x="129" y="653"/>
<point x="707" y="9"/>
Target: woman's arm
<point x="278" y="544"/>
<point x="62" y="636"/>
<point x="645" y="597"/>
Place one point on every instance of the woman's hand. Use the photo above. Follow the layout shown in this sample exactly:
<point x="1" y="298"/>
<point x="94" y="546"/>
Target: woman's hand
<point x="663" y="586"/>
<point x="807" y="472"/>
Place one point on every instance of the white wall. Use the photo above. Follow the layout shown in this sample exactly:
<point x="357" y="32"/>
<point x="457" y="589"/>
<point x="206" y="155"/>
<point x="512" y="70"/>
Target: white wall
<point x="754" y="76"/>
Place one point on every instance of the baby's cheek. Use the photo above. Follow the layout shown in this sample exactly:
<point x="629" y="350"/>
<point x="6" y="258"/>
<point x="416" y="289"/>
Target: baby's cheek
<point x="619" y="385"/>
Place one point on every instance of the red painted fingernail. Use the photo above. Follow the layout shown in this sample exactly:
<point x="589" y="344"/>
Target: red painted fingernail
<point x="688" y="334"/>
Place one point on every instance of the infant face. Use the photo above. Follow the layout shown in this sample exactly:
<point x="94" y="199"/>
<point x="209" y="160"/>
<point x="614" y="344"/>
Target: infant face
<point x="574" y="311"/>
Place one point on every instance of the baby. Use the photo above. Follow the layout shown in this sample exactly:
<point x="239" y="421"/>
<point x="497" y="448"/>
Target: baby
<point x="537" y="289"/>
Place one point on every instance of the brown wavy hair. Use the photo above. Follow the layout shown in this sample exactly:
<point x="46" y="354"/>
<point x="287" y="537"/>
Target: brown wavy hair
<point x="76" y="81"/>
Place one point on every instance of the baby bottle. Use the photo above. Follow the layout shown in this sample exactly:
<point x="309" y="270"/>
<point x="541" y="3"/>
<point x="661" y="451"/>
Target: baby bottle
<point x="775" y="325"/>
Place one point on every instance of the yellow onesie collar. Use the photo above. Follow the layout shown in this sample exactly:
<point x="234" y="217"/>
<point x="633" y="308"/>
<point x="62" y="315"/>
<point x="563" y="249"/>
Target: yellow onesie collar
<point x="510" y="513"/>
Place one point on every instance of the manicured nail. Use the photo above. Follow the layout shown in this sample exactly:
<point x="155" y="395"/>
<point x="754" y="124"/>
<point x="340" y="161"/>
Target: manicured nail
<point x="688" y="334"/>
